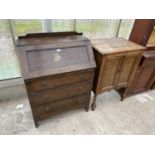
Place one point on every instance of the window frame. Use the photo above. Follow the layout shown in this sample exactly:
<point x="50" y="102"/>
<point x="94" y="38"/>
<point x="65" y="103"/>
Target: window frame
<point x="46" y="28"/>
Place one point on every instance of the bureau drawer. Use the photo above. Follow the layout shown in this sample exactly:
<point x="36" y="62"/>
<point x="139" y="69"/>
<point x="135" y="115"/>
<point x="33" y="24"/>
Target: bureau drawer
<point x="60" y="93"/>
<point x="46" y="110"/>
<point x="47" y="83"/>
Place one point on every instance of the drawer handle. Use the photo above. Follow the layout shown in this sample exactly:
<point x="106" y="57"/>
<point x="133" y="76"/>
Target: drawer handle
<point x="43" y="83"/>
<point x="46" y="96"/>
<point x="81" y="88"/>
<point x="47" y="108"/>
<point x="82" y="77"/>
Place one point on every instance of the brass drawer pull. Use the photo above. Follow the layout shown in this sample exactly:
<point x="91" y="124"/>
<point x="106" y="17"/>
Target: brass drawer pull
<point x="46" y="96"/>
<point x="47" y="108"/>
<point x="43" y="83"/>
<point x="82" y="77"/>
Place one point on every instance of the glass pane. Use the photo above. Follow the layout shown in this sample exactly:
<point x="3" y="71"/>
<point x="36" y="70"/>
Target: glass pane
<point x="98" y="28"/>
<point x="9" y="67"/>
<point x="62" y="25"/>
<point x="125" y="28"/>
<point x="22" y="27"/>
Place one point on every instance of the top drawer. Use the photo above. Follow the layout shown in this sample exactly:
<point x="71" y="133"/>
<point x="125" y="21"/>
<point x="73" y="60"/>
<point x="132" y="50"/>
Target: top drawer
<point x="148" y="62"/>
<point x="52" y="82"/>
<point x="148" y="58"/>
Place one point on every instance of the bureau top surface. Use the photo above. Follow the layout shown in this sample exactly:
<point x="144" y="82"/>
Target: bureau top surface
<point x="114" y="45"/>
<point x="54" y="53"/>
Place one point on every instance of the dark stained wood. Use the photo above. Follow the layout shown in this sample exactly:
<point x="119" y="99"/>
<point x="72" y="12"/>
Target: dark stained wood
<point x="152" y="82"/>
<point x="144" y="77"/>
<point x="47" y="110"/>
<point x="57" y="81"/>
<point x="52" y="34"/>
<point x="143" y="80"/>
<point x="117" y="60"/>
<point x="58" y="70"/>
<point x="60" y="93"/>
<point x="142" y="30"/>
<point x="51" y="59"/>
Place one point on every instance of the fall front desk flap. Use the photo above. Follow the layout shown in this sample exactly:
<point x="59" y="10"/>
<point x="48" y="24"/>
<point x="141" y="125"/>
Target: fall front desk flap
<point x="53" y="53"/>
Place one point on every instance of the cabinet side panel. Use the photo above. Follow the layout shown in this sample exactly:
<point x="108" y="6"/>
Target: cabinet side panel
<point x="142" y="83"/>
<point x="98" y="59"/>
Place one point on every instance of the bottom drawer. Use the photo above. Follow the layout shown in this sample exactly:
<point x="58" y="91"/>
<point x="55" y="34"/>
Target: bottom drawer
<point x="46" y="110"/>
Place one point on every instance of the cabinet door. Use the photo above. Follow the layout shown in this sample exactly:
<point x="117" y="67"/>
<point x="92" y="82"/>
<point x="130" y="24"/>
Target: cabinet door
<point x="151" y="83"/>
<point x="109" y="72"/>
<point x="144" y="79"/>
<point x="153" y="86"/>
<point x="128" y="68"/>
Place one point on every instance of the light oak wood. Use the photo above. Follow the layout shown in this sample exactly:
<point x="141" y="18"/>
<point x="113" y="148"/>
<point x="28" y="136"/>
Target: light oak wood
<point x="117" y="60"/>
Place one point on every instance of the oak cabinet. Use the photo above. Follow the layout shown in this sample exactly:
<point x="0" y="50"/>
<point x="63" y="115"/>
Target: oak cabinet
<point x="117" y="60"/>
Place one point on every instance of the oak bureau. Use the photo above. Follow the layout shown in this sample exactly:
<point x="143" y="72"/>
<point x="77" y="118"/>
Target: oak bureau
<point x="58" y="71"/>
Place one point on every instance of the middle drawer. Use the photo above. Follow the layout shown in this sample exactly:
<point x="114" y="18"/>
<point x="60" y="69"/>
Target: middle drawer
<point x="60" y="93"/>
<point x="53" y="82"/>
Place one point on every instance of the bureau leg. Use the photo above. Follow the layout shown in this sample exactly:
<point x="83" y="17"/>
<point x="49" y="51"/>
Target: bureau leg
<point x="122" y="98"/>
<point x="86" y="108"/>
<point x="123" y="94"/>
<point x="36" y="123"/>
<point x="93" y="106"/>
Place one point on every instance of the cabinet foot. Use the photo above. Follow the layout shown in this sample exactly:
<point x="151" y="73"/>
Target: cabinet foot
<point x="93" y="106"/>
<point x="36" y="124"/>
<point x="86" y="109"/>
<point x="122" y="98"/>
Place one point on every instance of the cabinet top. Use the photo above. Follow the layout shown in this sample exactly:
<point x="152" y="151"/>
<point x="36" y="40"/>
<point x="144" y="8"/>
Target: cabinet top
<point x="114" y="45"/>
